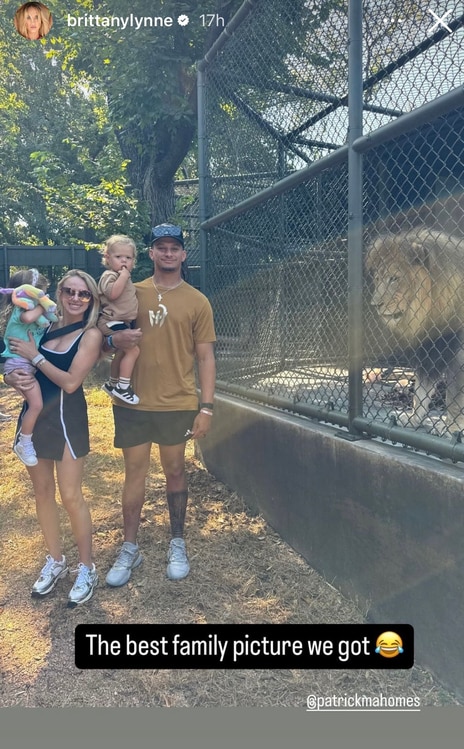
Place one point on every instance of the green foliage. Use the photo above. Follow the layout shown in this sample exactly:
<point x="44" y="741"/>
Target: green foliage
<point x="63" y="178"/>
<point x="96" y="120"/>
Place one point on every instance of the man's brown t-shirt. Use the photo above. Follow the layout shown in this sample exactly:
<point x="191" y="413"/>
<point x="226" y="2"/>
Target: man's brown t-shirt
<point x="164" y="374"/>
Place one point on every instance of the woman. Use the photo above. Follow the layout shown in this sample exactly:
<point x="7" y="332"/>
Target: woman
<point x="33" y="20"/>
<point x="66" y="354"/>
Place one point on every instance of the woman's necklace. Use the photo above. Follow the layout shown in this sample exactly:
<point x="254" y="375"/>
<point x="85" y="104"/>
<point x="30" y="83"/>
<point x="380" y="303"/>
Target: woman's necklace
<point x="160" y="295"/>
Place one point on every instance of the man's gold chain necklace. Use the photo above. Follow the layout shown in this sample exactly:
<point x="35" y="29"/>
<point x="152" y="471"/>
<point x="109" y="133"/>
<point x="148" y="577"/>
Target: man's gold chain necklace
<point x="171" y="288"/>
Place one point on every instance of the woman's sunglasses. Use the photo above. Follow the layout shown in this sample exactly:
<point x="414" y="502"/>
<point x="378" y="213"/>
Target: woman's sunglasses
<point x="83" y="294"/>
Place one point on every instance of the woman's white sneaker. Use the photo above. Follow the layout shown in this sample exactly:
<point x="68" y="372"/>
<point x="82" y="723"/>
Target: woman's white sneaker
<point x="51" y="572"/>
<point x="84" y="585"/>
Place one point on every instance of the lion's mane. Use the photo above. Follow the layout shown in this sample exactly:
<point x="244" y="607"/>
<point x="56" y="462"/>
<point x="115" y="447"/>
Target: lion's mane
<point x="418" y="284"/>
<point x="418" y="293"/>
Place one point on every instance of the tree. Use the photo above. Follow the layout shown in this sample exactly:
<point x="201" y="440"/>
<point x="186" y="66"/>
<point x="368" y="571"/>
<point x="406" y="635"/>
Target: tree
<point x="62" y="177"/>
<point x="148" y="76"/>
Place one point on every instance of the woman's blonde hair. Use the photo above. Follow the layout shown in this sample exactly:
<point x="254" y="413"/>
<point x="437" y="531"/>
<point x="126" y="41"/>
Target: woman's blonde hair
<point x="46" y="20"/>
<point x="112" y="241"/>
<point x="93" y="310"/>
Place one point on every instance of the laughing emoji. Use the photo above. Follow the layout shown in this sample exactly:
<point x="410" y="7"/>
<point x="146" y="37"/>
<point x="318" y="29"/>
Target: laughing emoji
<point x="389" y="644"/>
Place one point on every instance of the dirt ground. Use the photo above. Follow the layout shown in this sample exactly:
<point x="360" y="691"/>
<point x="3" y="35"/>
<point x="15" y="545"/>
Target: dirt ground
<point x="242" y="572"/>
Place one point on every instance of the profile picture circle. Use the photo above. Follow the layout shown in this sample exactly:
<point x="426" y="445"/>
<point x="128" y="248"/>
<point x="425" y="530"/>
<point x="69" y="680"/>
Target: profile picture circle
<point x="33" y="20"/>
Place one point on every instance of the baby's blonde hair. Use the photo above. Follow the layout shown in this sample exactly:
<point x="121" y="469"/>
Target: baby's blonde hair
<point x="112" y="241"/>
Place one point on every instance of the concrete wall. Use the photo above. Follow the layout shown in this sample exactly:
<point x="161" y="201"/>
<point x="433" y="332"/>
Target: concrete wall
<point x="384" y="524"/>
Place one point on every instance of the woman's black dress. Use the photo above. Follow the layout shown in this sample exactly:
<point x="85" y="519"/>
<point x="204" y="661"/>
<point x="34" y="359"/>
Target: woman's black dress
<point x="63" y="419"/>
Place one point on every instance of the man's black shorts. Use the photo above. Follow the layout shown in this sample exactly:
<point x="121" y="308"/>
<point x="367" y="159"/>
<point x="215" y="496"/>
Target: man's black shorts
<point x="162" y="427"/>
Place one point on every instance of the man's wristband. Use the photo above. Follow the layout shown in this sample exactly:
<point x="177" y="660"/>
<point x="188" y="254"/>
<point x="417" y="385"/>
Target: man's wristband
<point x="207" y="405"/>
<point x="206" y="411"/>
<point x="110" y="343"/>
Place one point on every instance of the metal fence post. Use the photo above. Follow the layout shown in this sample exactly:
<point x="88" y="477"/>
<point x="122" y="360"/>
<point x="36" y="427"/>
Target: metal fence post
<point x="202" y="174"/>
<point x="355" y="204"/>
<point x="5" y="270"/>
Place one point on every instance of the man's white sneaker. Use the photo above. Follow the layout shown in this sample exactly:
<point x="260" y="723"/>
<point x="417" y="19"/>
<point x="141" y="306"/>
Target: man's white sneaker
<point x="127" y="560"/>
<point x="178" y="564"/>
<point x="51" y="572"/>
<point x="84" y="585"/>
<point x="26" y="453"/>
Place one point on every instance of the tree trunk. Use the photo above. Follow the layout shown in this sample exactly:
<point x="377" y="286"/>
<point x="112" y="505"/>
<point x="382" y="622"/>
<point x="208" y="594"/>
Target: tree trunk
<point x="158" y="196"/>
<point x="154" y="156"/>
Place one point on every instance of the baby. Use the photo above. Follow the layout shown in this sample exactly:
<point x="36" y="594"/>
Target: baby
<point x="118" y="310"/>
<point x="19" y="323"/>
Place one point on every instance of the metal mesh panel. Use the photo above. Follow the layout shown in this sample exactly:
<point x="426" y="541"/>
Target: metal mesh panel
<point x="279" y="293"/>
<point x="277" y="105"/>
<point x="410" y="58"/>
<point x="414" y="286"/>
<point x="265" y="85"/>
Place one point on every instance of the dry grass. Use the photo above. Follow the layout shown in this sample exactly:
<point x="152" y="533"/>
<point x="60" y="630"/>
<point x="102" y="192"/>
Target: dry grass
<point x="242" y="572"/>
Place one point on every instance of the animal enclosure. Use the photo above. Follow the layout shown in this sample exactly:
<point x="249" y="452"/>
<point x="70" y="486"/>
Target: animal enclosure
<point x="346" y="128"/>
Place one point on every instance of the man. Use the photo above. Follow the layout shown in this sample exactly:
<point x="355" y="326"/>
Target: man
<point x="174" y="327"/>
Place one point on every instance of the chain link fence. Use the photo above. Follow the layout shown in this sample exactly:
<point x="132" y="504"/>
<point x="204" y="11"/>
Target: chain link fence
<point x="276" y="97"/>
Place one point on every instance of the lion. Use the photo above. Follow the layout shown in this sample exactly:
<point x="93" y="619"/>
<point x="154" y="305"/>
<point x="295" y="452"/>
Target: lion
<point x="418" y="294"/>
